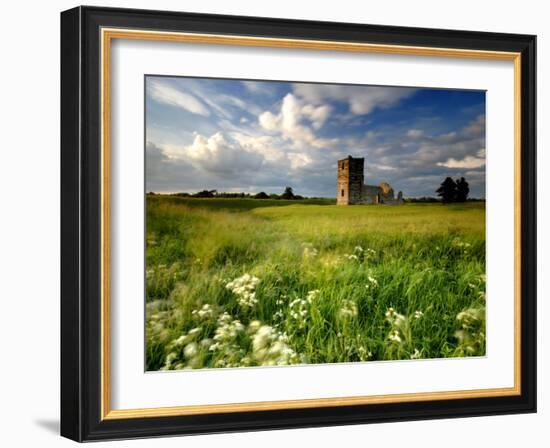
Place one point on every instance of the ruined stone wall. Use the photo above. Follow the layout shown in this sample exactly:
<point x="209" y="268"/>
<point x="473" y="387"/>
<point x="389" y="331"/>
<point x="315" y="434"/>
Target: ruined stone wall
<point x="352" y="189"/>
<point x="356" y="180"/>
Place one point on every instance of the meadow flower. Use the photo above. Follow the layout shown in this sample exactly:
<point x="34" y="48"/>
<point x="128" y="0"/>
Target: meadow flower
<point x="394" y="318"/>
<point x="395" y="337"/>
<point x="372" y="283"/>
<point x="471" y="334"/>
<point x="469" y="318"/>
<point x="270" y="348"/>
<point x="254" y="326"/>
<point x="309" y="251"/>
<point x="348" y="309"/>
<point x="371" y="252"/>
<point x="225" y="347"/>
<point x="312" y="295"/>
<point x="191" y="350"/>
<point x="299" y="309"/>
<point x="243" y="287"/>
<point x="461" y="245"/>
<point x="181" y="340"/>
<point x="418" y="314"/>
<point x="352" y="257"/>
<point x="364" y="353"/>
<point x="205" y="313"/>
<point x="194" y="331"/>
<point x="416" y="354"/>
<point x="170" y="358"/>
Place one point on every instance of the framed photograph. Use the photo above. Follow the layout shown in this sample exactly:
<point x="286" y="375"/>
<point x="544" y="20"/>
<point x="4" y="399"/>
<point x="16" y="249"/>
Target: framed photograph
<point x="275" y="224"/>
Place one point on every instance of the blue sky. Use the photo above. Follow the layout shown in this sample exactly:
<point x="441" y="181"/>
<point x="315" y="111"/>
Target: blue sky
<point x="253" y="136"/>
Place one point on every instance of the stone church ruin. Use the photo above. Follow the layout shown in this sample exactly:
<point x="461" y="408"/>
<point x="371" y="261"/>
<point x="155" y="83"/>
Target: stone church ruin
<point x="352" y="189"/>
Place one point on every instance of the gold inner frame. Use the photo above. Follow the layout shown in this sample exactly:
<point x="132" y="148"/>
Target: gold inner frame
<point x="107" y="35"/>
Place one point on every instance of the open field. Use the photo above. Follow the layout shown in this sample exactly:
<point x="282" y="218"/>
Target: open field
<point x="245" y="282"/>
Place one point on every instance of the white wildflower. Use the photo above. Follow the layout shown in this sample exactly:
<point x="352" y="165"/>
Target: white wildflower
<point x="299" y="309"/>
<point x="310" y="252"/>
<point x="191" y="350"/>
<point x="395" y="337"/>
<point x="372" y="283"/>
<point x="270" y="348"/>
<point x="225" y="346"/>
<point x="394" y="318"/>
<point x="205" y="313"/>
<point x="243" y="287"/>
<point x="312" y="295"/>
<point x="254" y="326"/>
<point x="348" y="309"/>
<point x="364" y="353"/>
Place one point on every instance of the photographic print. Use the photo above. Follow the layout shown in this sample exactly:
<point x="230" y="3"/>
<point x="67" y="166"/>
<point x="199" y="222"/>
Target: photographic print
<point x="259" y="214"/>
<point x="304" y="223"/>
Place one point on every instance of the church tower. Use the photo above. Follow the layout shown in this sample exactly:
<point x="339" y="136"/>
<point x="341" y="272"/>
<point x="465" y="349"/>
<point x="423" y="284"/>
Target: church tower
<point x="350" y="181"/>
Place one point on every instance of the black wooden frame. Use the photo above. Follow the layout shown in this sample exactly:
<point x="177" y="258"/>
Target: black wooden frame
<point x="81" y="224"/>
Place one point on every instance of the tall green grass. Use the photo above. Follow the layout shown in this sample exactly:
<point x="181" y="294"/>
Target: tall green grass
<point x="322" y="283"/>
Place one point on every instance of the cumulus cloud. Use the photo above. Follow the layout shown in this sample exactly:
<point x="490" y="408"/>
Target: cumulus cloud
<point x="361" y="100"/>
<point x="219" y="154"/>
<point x="317" y="115"/>
<point x="289" y="122"/>
<point x="164" y="93"/>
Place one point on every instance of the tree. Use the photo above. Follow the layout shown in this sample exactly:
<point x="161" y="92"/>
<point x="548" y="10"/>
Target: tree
<point x="447" y="190"/>
<point x="462" y="190"/>
<point x="205" y="194"/>
<point x="261" y="195"/>
<point x="288" y="193"/>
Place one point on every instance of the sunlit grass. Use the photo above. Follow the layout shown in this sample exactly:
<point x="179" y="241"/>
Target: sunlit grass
<point x="244" y="282"/>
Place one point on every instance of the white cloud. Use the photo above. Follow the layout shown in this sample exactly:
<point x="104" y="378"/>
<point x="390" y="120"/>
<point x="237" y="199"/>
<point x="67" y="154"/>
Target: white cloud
<point x="264" y="145"/>
<point x="299" y="160"/>
<point x="288" y="122"/>
<point x="468" y="162"/>
<point x="164" y="93"/>
<point x="222" y="155"/>
<point x="317" y="115"/>
<point x="361" y="99"/>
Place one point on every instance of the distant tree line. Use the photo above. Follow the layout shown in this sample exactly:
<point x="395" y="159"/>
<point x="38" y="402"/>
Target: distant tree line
<point x="287" y="194"/>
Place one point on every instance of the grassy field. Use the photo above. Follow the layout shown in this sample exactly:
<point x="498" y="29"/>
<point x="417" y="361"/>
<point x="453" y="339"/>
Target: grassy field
<point x="244" y="282"/>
